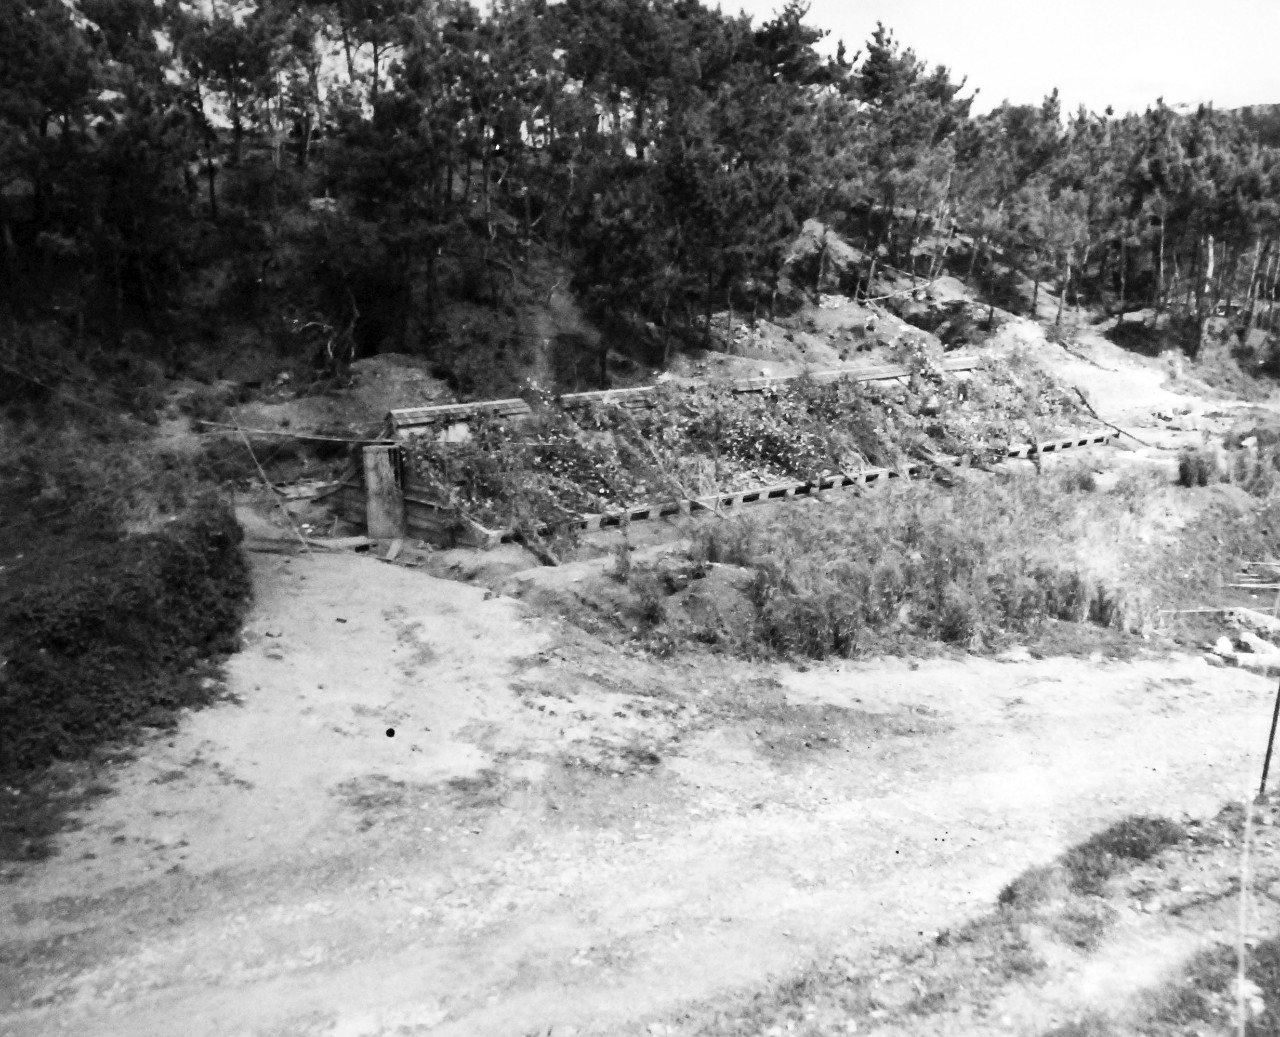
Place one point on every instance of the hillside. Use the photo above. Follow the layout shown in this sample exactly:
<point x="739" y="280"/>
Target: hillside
<point x="898" y="658"/>
<point x="559" y="191"/>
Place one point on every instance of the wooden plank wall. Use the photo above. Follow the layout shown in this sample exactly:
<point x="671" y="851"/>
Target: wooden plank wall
<point x="410" y="420"/>
<point x="886" y="372"/>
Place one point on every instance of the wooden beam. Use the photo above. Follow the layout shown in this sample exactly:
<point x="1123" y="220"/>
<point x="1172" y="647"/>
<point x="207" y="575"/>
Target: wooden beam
<point x="384" y="503"/>
<point x="409" y="418"/>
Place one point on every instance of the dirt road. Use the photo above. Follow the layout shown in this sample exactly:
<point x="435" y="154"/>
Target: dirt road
<point x="561" y="837"/>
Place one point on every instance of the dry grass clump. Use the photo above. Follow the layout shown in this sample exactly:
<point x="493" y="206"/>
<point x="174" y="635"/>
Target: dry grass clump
<point x="76" y="477"/>
<point x="1086" y="867"/>
<point x="966" y="567"/>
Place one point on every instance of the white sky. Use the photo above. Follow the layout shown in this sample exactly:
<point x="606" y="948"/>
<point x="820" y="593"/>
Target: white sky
<point x="1125" y="53"/>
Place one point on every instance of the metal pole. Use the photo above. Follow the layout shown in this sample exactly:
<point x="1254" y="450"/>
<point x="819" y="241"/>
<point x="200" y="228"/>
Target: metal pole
<point x="1271" y="741"/>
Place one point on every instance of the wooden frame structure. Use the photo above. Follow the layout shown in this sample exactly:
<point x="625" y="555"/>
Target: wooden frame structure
<point x="426" y="518"/>
<point x="390" y="500"/>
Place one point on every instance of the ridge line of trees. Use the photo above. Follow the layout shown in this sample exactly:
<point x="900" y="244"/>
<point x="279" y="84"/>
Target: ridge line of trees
<point x="355" y="166"/>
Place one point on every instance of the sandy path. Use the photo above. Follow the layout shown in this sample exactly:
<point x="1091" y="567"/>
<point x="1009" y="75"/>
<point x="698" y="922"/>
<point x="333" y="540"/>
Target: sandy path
<point x="560" y="836"/>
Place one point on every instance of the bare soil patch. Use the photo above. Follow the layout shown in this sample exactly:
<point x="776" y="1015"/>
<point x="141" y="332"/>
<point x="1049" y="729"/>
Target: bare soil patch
<point x="564" y="834"/>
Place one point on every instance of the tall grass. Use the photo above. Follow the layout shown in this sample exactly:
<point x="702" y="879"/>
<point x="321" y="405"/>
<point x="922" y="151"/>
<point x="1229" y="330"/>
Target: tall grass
<point x="966" y="567"/>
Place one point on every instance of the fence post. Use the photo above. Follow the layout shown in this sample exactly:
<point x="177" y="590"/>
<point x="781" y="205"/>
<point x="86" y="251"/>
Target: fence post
<point x="384" y="501"/>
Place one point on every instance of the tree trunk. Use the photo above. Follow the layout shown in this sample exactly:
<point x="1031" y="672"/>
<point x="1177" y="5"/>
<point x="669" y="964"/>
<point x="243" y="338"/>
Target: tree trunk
<point x="212" y="176"/>
<point x="210" y="173"/>
<point x="1192" y="295"/>
<point x="1084" y="266"/>
<point x="237" y="129"/>
<point x="1250" y="291"/>
<point x="346" y="50"/>
<point x="1160" y="274"/>
<point x="706" y="328"/>
<point x="308" y="115"/>
<point x="941" y="247"/>
<point x="1224" y="287"/>
<point x="1124" y="272"/>
<point x="1271" y="291"/>
<point x="11" y="267"/>
<point x="911" y="244"/>
<point x="1207" y="291"/>
<point x="1062" y="296"/>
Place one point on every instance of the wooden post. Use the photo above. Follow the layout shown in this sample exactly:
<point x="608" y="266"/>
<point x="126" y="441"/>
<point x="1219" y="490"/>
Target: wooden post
<point x="384" y="502"/>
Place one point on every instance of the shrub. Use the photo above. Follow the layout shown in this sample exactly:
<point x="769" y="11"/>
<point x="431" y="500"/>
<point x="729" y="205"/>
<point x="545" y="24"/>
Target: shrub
<point x="205" y="403"/>
<point x="622" y="565"/>
<point x="969" y="566"/>
<point x="1197" y="468"/>
<point x="1081" y="479"/>
<point x="106" y="641"/>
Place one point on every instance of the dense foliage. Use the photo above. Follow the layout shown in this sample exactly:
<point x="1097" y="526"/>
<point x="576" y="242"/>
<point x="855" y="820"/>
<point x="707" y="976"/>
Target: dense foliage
<point x="966" y="567"/>
<point x="343" y="170"/>
<point x="692" y="441"/>
<point x="108" y="638"/>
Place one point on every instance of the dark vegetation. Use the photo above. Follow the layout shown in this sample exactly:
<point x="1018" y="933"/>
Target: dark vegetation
<point x="102" y="637"/>
<point x="121" y="582"/>
<point x="1086" y="868"/>
<point x="108" y="640"/>
<point x="332" y="178"/>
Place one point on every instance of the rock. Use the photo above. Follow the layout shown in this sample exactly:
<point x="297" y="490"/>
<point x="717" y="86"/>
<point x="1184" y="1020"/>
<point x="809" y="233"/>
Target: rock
<point x="1016" y="654"/>
<point x="1254" y="643"/>
<point x="1224" y="647"/>
<point x="1257" y="622"/>
<point x="818" y="250"/>
<point x="1267" y="665"/>
<point x="1213" y="660"/>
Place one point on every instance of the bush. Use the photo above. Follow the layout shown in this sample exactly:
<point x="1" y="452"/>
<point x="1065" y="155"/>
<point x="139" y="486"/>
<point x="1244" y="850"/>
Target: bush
<point x="1197" y="468"/>
<point x="967" y="567"/>
<point x="105" y="642"/>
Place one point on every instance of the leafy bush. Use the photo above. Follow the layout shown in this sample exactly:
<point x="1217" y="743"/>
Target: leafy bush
<point x="1197" y="468"/>
<point x="105" y="641"/>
